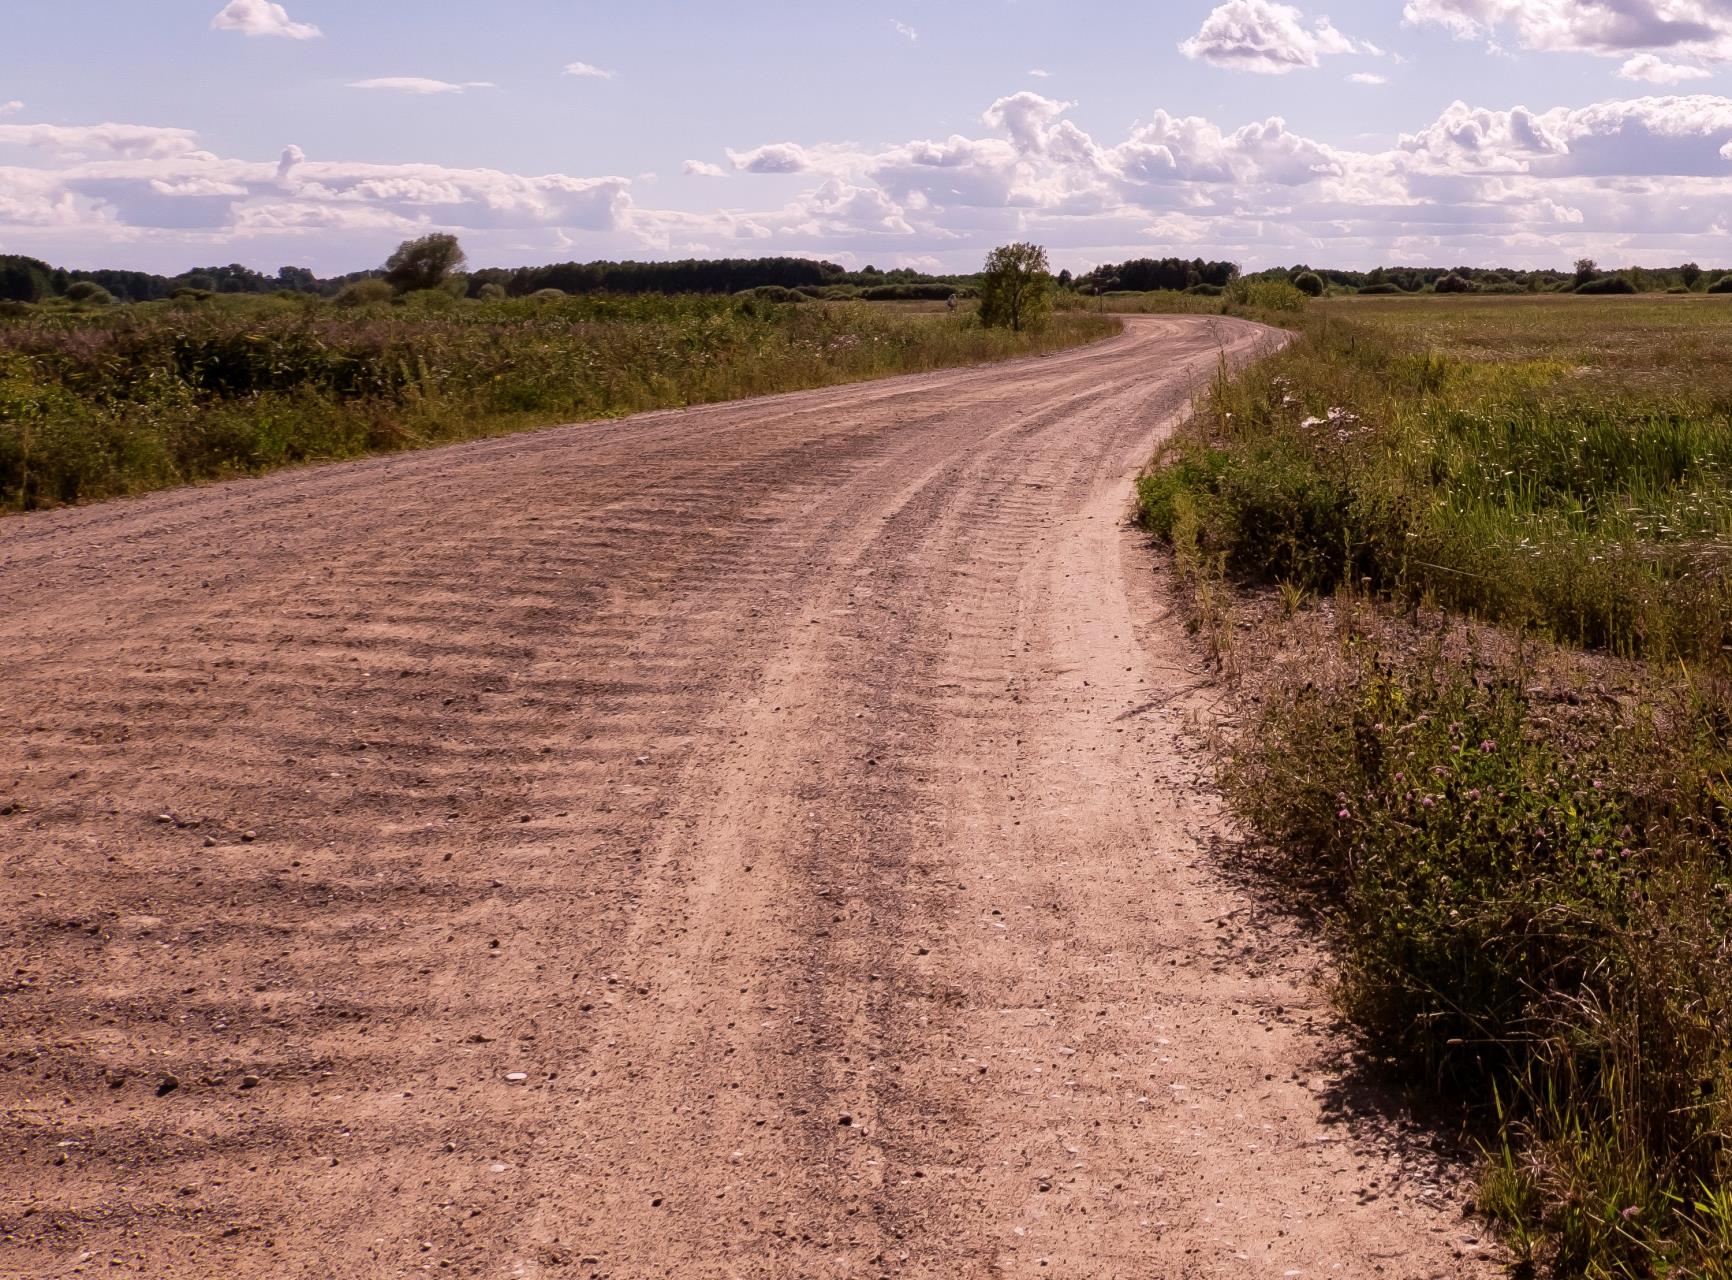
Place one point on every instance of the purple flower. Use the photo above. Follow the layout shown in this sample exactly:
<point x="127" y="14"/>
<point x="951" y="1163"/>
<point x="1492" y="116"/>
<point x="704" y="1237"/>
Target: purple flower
<point x="1488" y="746"/>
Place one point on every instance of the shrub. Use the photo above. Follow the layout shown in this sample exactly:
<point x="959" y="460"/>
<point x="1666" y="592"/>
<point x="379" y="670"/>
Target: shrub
<point x="772" y="293"/>
<point x="1266" y="295"/>
<point x="1381" y="288"/>
<point x="1722" y="285"/>
<point x="1310" y="284"/>
<point x="190" y="294"/>
<point x="491" y="293"/>
<point x="429" y="300"/>
<point x="365" y="293"/>
<point x="549" y="295"/>
<point x="1608" y="284"/>
<point x="87" y="292"/>
<point x="1453" y="283"/>
<point x="1205" y="291"/>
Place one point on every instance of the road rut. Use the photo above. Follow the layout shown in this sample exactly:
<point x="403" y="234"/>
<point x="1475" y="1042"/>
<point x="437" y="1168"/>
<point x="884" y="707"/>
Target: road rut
<point x="758" y="840"/>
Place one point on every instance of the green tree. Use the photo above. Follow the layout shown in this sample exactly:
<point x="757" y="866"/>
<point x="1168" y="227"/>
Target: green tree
<point x="1015" y="288"/>
<point x="425" y="263"/>
<point x="1691" y="274"/>
<point x="1586" y="270"/>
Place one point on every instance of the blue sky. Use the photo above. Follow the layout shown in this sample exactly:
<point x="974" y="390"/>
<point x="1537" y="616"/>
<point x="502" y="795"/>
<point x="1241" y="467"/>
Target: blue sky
<point x="170" y="133"/>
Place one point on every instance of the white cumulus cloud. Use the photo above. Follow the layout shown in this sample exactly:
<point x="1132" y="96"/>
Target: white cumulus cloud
<point x="262" y="18"/>
<point x="1265" y="37"/>
<point x="902" y="29"/>
<point x="587" y="71"/>
<point x="702" y="169"/>
<point x="776" y="157"/>
<point x="1654" y="70"/>
<point x="1368" y="77"/>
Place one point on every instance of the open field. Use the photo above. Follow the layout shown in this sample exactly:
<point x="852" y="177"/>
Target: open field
<point x="1487" y="724"/>
<point x="757" y="840"/>
<point x="95" y="403"/>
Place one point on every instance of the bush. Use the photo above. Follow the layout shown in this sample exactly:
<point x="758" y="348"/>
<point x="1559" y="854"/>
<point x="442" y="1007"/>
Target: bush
<point x="86" y="292"/>
<point x="491" y="293"/>
<point x="1205" y="291"/>
<point x="365" y="293"/>
<point x="1381" y="289"/>
<point x="190" y="294"/>
<point x="1310" y="284"/>
<point x="1453" y="283"/>
<point x="926" y="292"/>
<point x="1722" y="285"/>
<point x="1266" y="295"/>
<point x="549" y="295"/>
<point x="429" y="300"/>
<point x="772" y="293"/>
<point x="1608" y="284"/>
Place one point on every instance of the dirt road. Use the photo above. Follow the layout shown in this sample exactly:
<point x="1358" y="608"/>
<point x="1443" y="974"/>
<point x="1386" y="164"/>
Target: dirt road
<point x="752" y="841"/>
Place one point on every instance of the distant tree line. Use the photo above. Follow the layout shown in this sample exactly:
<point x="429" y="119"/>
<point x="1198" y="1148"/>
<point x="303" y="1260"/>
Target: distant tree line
<point x="1586" y="277"/>
<point x="1144" y="275"/>
<point x="26" y="279"/>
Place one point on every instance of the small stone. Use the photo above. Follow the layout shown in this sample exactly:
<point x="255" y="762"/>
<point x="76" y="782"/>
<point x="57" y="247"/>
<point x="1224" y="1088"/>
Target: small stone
<point x="210" y="842"/>
<point x="844" y="1119"/>
<point x="167" y="1086"/>
<point x="516" y="1077"/>
<point x="249" y="836"/>
<point x="249" y="1081"/>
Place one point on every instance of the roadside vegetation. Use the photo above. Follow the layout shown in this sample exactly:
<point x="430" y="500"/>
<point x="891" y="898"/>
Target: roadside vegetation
<point x="99" y="398"/>
<point x="1471" y="560"/>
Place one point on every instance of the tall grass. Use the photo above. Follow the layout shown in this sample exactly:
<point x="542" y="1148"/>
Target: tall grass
<point x="95" y="404"/>
<point x="1521" y="834"/>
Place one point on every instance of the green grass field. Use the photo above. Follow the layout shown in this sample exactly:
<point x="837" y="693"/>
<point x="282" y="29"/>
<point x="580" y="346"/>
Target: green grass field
<point x="1491" y="542"/>
<point x="100" y="402"/>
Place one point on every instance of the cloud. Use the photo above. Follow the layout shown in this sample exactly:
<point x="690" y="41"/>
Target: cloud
<point x="702" y="169"/>
<point x="1645" y="179"/>
<point x="1367" y="77"/>
<point x="1264" y="37"/>
<point x="127" y="141"/>
<point x="1645" y="66"/>
<point x="586" y="71"/>
<point x="262" y="18"/>
<point x="1608" y="28"/>
<point x="11" y="108"/>
<point x="420" y="85"/>
<point x="902" y="29"/>
<point x="777" y="157"/>
<point x="1038" y="74"/>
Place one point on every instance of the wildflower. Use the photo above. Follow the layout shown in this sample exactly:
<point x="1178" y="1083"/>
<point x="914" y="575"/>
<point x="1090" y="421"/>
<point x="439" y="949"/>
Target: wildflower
<point x="1488" y="746"/>
<point x="1344" y="815"/>
<point x="1473" y="794"/>
<point x="1427" y="801"/>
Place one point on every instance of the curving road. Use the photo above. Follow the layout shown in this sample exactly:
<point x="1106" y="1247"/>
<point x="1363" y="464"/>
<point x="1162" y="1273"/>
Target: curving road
<point x="758" y="840"/>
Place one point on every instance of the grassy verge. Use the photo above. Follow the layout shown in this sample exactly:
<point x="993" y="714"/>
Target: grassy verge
<point x="1495" y="746"/>
<point x="95" y="404"/>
